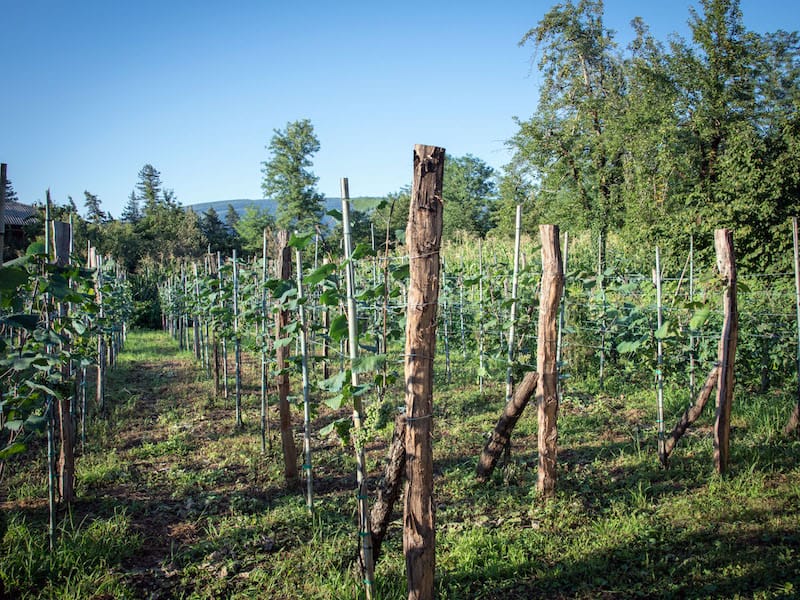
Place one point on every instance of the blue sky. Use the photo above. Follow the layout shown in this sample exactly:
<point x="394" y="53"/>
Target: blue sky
<point x="93" y="90"/>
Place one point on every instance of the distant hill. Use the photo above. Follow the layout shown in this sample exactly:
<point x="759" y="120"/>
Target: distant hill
<point x="239" y="205"/>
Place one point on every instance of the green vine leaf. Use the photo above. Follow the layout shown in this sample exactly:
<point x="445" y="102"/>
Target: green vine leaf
<point x="338" y="329"/>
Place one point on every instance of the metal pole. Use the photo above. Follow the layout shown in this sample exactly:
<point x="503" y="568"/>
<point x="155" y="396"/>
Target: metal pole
<point x="514" y="285"/>
<point x="264" y="420"/>
<point x="797" y="296"/>
<point x="562" y="316"/>
<point x="352" y="326"/>
<point x="236" y="341"/>
<point x="3" y="179"/>
<point x="306" y="386"/>
<point x="692" y="382"/>
<point x="601" y="283"/>
<point x="662" y="449"/>
<point x="481" y="367"/>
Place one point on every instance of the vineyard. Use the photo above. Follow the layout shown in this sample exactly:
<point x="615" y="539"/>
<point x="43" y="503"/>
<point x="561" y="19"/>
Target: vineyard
<point x="242" y="451"/>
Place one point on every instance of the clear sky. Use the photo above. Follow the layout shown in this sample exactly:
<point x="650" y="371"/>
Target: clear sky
<point x="93" y="90"/>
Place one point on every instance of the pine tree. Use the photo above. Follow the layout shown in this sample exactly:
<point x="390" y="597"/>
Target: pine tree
<point x="93" y="212"/>
<point x="131" y="213"/>
<point x="149" y="188"/>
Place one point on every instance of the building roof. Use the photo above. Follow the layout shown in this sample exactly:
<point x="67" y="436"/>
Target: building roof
<point x="19" y="214"/>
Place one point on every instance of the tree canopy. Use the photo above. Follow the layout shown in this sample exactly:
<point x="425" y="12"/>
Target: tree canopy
<point x="288" y="179"/>
<point x="657" y="141"/>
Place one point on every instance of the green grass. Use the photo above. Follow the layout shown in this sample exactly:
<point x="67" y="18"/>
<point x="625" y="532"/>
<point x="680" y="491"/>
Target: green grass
<point x="168" y="464"/>
<point x="81" y="565"/>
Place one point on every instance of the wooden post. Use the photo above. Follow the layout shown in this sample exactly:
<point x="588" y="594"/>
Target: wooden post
<point x="546" y="362"/>
<point x="692" y="413"/>
<point x="283" y="259"/>
<point x="726" y="263"/>
<point x="389" y="488"/>
<point x="423" y="241"/>
<point x="501" y="436"/>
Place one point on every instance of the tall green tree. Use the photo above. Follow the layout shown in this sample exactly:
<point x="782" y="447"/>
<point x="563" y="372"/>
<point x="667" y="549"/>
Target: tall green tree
<point x="392" y="215"/>
<point x="231" y="221"/>
<point x="250" y="228"/>
<point x="514" y="188"/>
<point x="11" y="195"/>
<point x="132" y="212"/>
<point x="738" y="95"/>
<point x="215" y="232"/>
<point x="468" y="193"/>
<point x="149" y="188"/>
<point x="288" y="178"/>
<point x="94" y="214"/>
<point x="570" y="144"/>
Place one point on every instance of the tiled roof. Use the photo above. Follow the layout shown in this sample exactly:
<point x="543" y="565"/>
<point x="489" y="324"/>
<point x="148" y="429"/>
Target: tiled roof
<point x="19" y="214"/>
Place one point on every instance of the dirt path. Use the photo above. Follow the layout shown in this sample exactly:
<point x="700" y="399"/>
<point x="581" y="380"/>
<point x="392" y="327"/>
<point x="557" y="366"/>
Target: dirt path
<point x="167" y="427"/>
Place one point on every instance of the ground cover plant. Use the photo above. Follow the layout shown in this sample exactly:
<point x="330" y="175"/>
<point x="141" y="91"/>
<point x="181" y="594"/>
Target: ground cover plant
<point x="175" y="501"/>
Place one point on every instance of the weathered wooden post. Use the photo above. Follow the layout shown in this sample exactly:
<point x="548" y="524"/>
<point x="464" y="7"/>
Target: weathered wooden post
<point x="284" y="272"/>
<point x="501" y="435"/>
<point x="423" y="241"/>
<point x="726" y="264"/>
<point x="546" y="358"/>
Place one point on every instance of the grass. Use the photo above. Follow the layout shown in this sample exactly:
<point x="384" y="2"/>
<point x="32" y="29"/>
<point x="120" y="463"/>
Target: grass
<point x="175" y="502"/>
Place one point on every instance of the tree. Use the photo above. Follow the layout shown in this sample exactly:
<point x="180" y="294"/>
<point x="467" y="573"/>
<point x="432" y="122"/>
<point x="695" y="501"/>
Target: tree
<point x="288" y="180"/>
<point x="215" y="231"/>
<point x="93" y="212"/>
<point x="570" y="144"/>
<point x="149" y="187"/>
<point x="231" y="221"/>
<point x="250" y="228"/>
<point x="393" y="215"/>
<point x="132" y="213"/>
<point x="11" y="195"/>
<point x="469" y="191"/>
<point x="514" y="188"/>
<point x="738" y="94"/>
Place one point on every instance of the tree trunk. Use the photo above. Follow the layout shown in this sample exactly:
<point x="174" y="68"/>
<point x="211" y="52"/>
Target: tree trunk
<point x="423" y="240"/>
<point x="546" y="362"/>
<point x="692" y="413"/>
<point x="726" y="263"/>
<point x="284" y="271"/>
<point x="389" y="488"/>
<point x="501" y="436"/>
